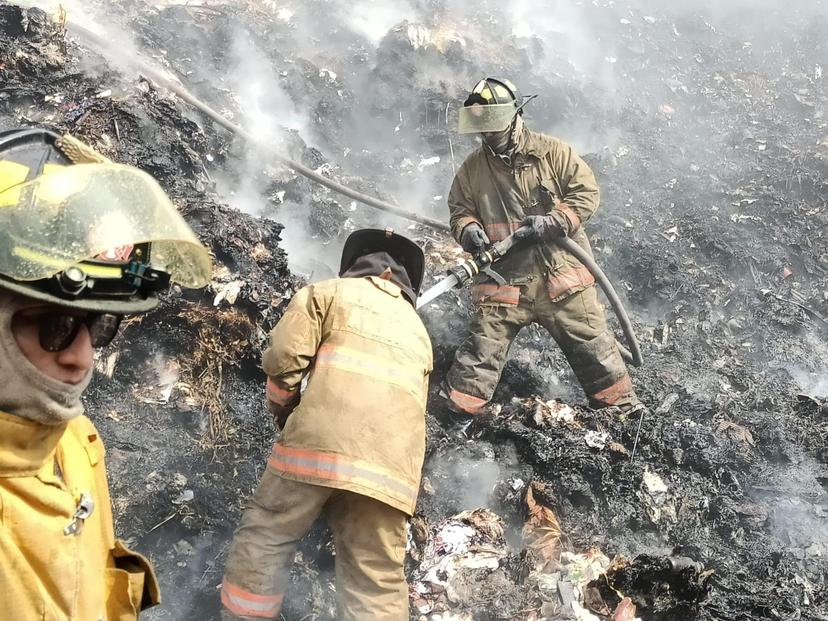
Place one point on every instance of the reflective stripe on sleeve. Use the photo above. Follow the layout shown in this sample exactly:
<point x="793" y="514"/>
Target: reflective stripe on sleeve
<point x="334" y="467"/>
<point x="278" y="395"/>
<point x="574" y="220"/>
<point x="246" y="604"/>
<point x="409" y="377"/>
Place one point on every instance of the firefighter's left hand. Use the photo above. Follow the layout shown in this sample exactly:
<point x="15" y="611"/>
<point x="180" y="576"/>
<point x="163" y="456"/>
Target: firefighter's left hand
<point x="540" y="228"/>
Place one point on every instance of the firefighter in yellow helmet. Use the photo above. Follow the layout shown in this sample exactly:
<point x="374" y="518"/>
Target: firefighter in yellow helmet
<point x="522" y="179"/>
<point x="83" y="243"/>
<point x="353" y="440"/>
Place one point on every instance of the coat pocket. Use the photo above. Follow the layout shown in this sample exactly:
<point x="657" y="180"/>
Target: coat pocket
<point x="568" y="279"/>
<point x="123" y="594"/>
<point x="549" y="194"/>
<point x="133" y="582"/>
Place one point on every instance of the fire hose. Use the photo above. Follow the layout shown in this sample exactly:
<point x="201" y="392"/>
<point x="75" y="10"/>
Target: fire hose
<point x="633" y="355"/>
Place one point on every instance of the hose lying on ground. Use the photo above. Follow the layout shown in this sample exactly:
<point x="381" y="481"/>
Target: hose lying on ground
<point x="633" y="355"/>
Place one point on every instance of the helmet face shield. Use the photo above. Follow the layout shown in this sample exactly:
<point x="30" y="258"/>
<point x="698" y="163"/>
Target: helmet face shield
<point x="94" y="212"/>
<point x="476" y="119"/>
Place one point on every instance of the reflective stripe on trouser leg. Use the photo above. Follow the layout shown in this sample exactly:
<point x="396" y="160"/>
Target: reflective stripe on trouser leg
<point x="280" y="513"/>
<point x="370" y="539"/>
<point x="479" y="361"/>
<point x="578" y="325"/>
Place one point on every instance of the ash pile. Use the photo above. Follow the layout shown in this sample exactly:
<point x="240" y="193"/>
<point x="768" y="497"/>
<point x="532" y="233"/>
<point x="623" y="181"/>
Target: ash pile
<point x="707" y="130"/>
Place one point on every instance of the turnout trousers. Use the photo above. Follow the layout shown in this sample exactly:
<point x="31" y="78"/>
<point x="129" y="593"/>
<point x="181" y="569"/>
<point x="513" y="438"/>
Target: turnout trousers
<point x="577" y="324"/>
<point x="369" y="536"/>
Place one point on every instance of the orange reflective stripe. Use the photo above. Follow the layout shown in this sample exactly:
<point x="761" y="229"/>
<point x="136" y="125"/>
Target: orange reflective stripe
<point x="619" y="389"/>
<point x="278" y="395"/>
<point x="568" y="281"/>
<point x="504" y="294"/>
<point x="379" y="368"/>
<point x="334" y="467"/>
<point x="468" y="403"/>
<point x="246" y="604"/>
<point x="574" y="220"/>
<point x="498" y="231"/>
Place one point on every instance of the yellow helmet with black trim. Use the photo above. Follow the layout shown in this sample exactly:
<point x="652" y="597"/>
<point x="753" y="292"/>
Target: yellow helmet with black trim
<point x="490" y="107"/>
<point x="79" y="230"/>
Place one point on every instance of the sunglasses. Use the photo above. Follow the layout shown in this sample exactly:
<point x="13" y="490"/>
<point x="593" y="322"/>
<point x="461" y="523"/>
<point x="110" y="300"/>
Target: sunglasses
<point x="57" y="331"/>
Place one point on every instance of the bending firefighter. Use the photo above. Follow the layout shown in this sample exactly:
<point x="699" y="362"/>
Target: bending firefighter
<point x="519" y="178"/>
<point x="353" y="441"/>
<point x="78" y="253"/>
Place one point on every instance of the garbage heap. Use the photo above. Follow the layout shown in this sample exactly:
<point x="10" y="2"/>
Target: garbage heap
<point x="706" y="128"/>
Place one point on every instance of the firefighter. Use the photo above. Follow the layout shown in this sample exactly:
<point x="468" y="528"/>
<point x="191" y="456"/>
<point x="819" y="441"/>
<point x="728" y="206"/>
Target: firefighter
<point x="76" y="256"/>
<point x="353" y="441"/>
<point x="522" y="179"/>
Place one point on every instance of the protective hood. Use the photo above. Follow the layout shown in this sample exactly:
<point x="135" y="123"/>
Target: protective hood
<point x="385" y="266"/>
<point x="27" y="392"/>
<point x="404" y="251"/>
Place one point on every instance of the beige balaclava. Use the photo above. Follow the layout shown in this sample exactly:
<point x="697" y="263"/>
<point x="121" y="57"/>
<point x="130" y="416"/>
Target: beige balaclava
<point x="27" y="392"/>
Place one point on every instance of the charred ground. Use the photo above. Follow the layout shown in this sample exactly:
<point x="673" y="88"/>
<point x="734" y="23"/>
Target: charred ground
<point x="711" y="149"/>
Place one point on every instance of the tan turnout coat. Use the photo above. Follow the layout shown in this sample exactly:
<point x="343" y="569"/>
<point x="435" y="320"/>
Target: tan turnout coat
<point x="360" y="423"/>
<point x="548" y="177"/>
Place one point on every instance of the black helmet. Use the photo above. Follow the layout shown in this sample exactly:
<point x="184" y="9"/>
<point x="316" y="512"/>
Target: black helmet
<point x="402" y="249"/>
<point x="491" y="106"/>
<point x="78" y="230"/>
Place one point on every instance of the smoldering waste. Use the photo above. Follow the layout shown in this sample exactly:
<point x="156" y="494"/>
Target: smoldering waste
<point x="712" y="152"/>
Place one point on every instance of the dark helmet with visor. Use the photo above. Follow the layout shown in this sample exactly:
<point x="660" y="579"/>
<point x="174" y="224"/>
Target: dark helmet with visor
<point x="366" y="241"/>
<point x="490" y="107"/>
<point x="81" y="231"/>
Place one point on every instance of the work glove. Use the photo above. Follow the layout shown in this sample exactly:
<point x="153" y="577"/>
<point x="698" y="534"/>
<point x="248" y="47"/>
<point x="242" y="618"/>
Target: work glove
<point x="539" y="228"/>
<point x="280" y="414"/>
<point x="474" y="239"/>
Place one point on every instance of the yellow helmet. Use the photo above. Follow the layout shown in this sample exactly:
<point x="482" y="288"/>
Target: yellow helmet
<point x="79" y="230"/>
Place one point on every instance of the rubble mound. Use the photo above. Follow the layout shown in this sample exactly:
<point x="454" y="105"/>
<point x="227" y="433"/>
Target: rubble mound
<point x="707" y="130"/>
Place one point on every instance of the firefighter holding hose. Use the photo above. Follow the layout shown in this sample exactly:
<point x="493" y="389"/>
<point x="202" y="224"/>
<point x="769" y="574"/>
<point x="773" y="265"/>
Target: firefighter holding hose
<point x="84" y="242"/>
<point x="520" y="179"/>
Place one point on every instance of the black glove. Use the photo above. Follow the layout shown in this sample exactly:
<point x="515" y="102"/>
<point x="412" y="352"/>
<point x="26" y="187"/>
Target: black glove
<point x="539" y="228"/>
<point x="474" y="239"/>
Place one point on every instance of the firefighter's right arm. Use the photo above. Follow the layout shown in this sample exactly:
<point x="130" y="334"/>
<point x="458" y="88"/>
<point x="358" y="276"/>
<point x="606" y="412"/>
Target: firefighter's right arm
<point x="462" y="209"/>
<point x="294" y="342"/>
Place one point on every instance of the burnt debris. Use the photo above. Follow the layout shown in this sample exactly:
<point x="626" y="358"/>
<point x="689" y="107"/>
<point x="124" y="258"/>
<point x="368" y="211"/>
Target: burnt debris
<point x="708" y="134"/>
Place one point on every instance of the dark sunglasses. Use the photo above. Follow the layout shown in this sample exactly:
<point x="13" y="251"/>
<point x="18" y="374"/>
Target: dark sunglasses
<point x="57" y="331"/>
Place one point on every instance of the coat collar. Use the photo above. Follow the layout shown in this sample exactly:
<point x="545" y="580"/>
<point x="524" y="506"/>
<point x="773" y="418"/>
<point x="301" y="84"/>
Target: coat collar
<point x="530" y="145"/>
<point x="25" y="445"/>
<point x="533" y="143"/>
<point x="386" y="285"/>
